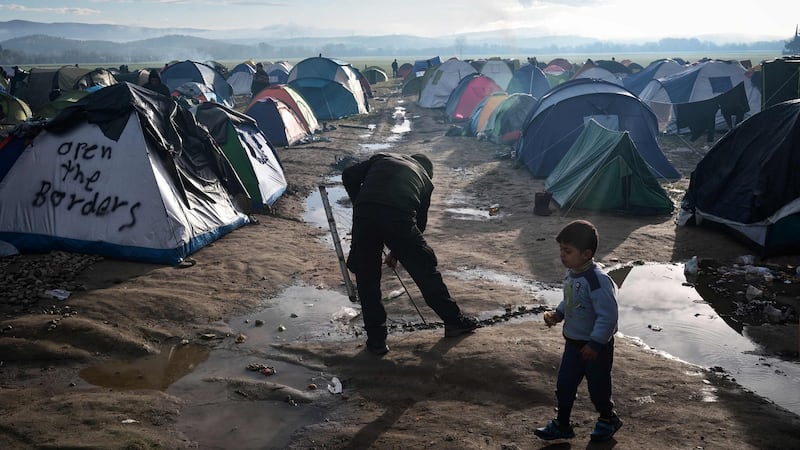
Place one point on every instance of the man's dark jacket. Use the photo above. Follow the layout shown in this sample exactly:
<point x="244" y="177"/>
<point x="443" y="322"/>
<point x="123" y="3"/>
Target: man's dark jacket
<point x="397" y="181"/>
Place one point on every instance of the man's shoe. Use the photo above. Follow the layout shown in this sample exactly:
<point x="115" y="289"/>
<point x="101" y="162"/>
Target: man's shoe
<point x="554" y="430"/>
<point x="378" y="349"/>
<point x="605" y="428"/>
<point x="462" y="326"/>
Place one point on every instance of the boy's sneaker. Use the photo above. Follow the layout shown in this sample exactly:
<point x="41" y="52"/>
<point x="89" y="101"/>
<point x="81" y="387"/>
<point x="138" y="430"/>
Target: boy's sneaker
<point x="463" y="325"/>
<point x="554" y="430"/>
<point x="605" y="428"/>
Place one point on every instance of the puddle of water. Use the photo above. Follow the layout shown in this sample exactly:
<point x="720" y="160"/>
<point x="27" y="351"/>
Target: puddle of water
<point x="546" y="294"/>
<point x="299" y="313"/>
<point x="460" y="211"/>
<point x="340" y="208"/>
<point x="157" y="371"/>
<point x="402" y="124"/>
<point x="255" y="416"/>
<point x="376" y="147"/>
<point x="655" y="306"/>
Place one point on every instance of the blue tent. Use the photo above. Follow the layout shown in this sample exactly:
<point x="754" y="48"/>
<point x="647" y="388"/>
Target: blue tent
<point x="328" y="99"/>
<point x="560" y="116"/>
<point x="421" y="65"/>
<point x="657" y="69"/>
<point x="176" y="75"/>
<point x="529" y="79"/>
<point x="332" y="88"/>
<point x="747" y="183"/>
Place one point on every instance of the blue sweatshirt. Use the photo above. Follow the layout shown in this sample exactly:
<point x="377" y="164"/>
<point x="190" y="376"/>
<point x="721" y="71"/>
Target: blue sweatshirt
<point x="589" y="307"/>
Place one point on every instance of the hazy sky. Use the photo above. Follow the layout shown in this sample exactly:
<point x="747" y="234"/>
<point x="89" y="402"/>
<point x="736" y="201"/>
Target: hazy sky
<point x="627" y="20"/>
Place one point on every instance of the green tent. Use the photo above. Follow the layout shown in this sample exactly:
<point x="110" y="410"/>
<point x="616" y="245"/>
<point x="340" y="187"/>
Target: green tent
<point x="604" y="171"/>
<point x="248" y="150"/>
<point x="13" y="109"/>
<point x="67" y="98"/>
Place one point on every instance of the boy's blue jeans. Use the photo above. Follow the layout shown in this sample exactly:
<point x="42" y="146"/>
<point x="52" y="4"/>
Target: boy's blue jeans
<point x="598" y="378"/>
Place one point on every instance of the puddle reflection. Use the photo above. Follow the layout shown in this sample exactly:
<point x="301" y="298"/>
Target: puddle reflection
<point x="656" y="306"/>
<point x="151" y="372"/>
<point x="340" y="208"/>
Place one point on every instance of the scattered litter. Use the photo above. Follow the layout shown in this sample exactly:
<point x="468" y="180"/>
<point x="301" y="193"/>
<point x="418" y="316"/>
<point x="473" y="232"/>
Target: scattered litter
<point x="281" y="328"/>
<point x="208" y="336"/>
<point x="129" y="421"/>
<point x="752" y="292"/>
<point x="259" y="322"/>
<point x="645" y="399"/>
<point x="654" y="327"/>
<point x="394" y="294"/>
<point x="59" y="294"/>
<point x="774" y="314"/>
<point x="262" y="368"/>
<point x="345" y="314"/>
<point x="184" y="341"/>
<point x="336" y="387"/>
<point x="691" y="266"/>
<point x="746" y="260"/>
<point x="494" y="209"/>
<point x="240" y="338"/>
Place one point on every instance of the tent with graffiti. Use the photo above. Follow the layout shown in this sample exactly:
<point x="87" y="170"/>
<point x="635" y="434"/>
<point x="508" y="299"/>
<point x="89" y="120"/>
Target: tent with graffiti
<point x="12" y="109"/>
<point x="331" y="87"/>
<point x="560" y="116"/>
<point x="248" y="150"/>
<point x="603" y="171"/>
<point x="123" y="173"/>
<point x="747" y="183"/>
<point x="469" y="93"/>
<point x="180" y="73"/>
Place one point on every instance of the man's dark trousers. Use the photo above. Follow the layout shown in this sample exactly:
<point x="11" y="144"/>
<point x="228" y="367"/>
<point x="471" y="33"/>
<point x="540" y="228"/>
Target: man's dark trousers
<point x="373" y="226"/>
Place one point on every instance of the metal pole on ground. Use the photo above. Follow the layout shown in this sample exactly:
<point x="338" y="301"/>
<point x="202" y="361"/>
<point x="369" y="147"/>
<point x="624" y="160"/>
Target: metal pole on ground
<point x="337" y="244"/>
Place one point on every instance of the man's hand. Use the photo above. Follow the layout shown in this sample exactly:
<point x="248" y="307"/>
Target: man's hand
<point x="390" y="260"/>
<point x="588" y="353"/>
<point x="551" y="318"/>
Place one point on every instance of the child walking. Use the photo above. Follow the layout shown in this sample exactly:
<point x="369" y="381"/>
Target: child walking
<point x="589" y="311"/>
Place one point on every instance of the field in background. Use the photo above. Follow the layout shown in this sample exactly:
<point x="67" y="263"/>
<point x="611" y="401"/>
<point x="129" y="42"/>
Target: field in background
<point x="385" y="63"/>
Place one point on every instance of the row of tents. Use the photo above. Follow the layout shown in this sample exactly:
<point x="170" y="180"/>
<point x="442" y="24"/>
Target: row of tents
<point x="594" y="140"/>
<point x="333" y="88"/>
<point x="125" y="172"/>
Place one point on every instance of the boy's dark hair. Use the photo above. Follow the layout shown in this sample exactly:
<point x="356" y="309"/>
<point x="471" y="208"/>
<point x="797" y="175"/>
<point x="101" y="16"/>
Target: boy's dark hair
<point x="580" y="233"/>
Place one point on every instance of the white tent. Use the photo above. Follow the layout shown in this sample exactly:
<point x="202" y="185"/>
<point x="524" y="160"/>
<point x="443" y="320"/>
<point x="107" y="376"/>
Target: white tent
<point x="105" y="178"/>
<point x="699" y="82"/>
<point x="499" y="71"/>
<point x="440" y="81"/>
<point x="241" y="79"/>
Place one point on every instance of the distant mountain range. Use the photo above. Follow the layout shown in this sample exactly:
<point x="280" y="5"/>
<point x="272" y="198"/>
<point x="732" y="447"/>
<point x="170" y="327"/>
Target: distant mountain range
<point x="24" y="42"/>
